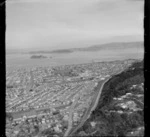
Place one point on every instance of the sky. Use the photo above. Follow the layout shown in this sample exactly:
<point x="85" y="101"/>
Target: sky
<point x="58" y="24"/>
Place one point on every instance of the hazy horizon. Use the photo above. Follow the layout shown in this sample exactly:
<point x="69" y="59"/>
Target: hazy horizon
<point x="59" y="24"/>
<point x="131" y="46"/>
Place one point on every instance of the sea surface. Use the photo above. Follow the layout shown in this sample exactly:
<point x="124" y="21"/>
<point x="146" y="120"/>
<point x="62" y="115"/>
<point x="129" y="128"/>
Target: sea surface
<point x="14" y="61"/>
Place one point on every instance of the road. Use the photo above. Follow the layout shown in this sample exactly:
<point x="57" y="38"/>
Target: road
<point x="93" y="104"/>
<point x="71" y="117"/>
<point x="91" y="108"/>
<point x="99" y="93"/>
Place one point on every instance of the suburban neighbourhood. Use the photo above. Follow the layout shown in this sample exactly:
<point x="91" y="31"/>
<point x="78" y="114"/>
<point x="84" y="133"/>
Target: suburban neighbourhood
<point x="55" y="98"/>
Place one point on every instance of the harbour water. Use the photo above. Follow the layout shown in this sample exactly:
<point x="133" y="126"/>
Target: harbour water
<point x="14" y="61"/>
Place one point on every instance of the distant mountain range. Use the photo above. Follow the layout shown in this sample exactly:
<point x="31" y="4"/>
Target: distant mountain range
<point x="94" y="48"/>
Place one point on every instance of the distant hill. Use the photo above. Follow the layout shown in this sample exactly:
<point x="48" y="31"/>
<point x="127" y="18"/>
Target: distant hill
<point x="109" y="46"/>
<point x="38" y="57"/>
<point x="62" y="51"/>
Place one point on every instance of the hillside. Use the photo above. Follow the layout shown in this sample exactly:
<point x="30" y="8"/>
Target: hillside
<point x="109" y="46"/>
<point x="112" y="46"/>
<point x="120" y="108"/>
<point x="37" y="57"/>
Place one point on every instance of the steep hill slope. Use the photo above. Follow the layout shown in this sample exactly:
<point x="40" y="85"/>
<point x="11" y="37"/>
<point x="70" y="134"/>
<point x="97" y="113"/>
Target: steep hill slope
<point x="120" y="108"/>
